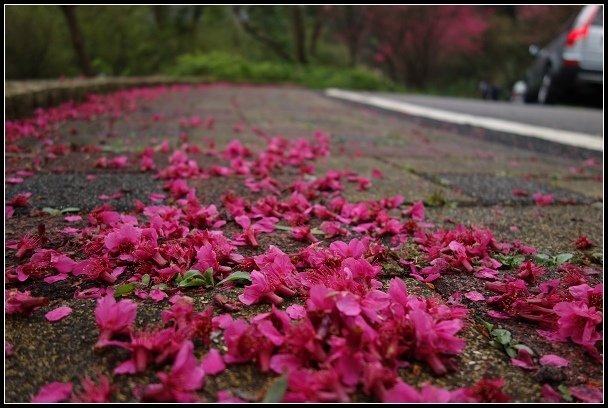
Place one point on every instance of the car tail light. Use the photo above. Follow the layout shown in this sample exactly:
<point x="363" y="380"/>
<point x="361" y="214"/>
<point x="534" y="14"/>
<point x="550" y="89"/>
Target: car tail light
<point x="576" y="34"/>
<point x="581" y="32"/>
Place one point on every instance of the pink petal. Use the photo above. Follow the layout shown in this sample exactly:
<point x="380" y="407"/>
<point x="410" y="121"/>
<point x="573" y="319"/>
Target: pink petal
<point x="72" y="218"/>
<point x="296" y="312"/>
<point x="498" y="315"/>
<point x="586" y="393"/>
<point x="550" y="335"/>
<point x="58" y="314"/>
<point x="474" y="296"/>
<point x="8" y="349"/>
<point x="157" y="295"/>
<point x="54" y="392"/>
<point x="213" y="363"/>
<point x="349" y="305"/>
<point x="486" y="273"/>
<point x="553" y="360"/>
<point x="126" y="367"/>
<point x="14" y="180"/>
<point x="55" y="278"/>
<point x="222" y="321"/>
<point x="8" y="211"/>
<point x="523" y="360"/>
<point x="157" y="197"/>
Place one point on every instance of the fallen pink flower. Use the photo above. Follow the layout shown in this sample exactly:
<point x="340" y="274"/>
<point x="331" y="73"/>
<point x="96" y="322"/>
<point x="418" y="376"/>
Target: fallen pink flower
<point x="416" y="212"/>
<point x="20" y="200"/>
<point x="377" y="173"/>
<point x="113" y="318"/>
<point x="94" y="392"/>
<point x="185" y="377"/>
<point x="530" y="272"/>
<point x="8" y="349"/>
<point x="58" y="314"/>
<point x="583" y="242"/>
<point x="487" y="390"/>
<point x="542" y="200"/>
<point x="53" y="392"/>
<point x="578" y="322"/>
<point x="22" y="302"/>
<point x="123" y="241"/>
<point x="96" y="268"/>
<point x="553" y="360"/>
<point x="9" y="211"/>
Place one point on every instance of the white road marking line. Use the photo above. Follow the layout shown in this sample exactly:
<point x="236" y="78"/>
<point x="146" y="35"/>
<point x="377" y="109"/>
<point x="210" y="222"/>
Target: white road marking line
<point x="555" y="135"/>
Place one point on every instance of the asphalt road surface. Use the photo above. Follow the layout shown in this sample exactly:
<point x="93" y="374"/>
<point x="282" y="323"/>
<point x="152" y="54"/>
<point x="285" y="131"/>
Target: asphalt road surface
<point x="576" y="119"/>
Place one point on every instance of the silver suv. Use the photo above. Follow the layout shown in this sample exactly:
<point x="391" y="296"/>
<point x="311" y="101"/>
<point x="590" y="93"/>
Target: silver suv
<point x="571" y="64"/>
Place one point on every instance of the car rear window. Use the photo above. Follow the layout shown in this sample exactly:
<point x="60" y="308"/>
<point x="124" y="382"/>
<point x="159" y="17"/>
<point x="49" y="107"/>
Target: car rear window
<point x="599" y="17"/>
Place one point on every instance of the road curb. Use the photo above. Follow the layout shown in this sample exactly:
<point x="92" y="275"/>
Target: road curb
<point x="22" y="98"/>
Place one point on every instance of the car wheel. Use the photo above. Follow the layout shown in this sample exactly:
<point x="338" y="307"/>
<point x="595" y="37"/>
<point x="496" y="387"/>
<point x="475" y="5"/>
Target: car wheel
<point x="547" y="93"/>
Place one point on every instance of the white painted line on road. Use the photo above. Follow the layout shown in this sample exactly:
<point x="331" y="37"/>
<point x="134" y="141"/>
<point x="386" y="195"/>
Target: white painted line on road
<point x="555" y="135"/>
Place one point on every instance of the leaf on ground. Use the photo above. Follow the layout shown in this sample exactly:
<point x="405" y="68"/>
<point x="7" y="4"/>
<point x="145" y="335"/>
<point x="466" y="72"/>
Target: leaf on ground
<point x="69" y="210"/>
<point x="124" y="290"/>
<point x="565" y="391"/>
<point x="236" y="276"/>
<point x="276" y="391"/>
<point x="283" y="227"/>
<point x="562" y="258"/>
<point x="194" y="278"/>
<point x="51" y="211"/>
<point x="502" y="336"/>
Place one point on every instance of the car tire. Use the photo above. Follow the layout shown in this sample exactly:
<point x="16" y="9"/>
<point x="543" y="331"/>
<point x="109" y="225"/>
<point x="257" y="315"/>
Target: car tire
<point x="547" y="93"/>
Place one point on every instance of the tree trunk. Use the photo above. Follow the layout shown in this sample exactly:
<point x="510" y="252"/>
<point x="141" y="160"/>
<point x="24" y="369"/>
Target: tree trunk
<point x="77" y="40"/>
<point x="320" y="17"/>
<point x="299" y="34"/>
<point x="240" y="15"/>
<point x="354" y="28"/>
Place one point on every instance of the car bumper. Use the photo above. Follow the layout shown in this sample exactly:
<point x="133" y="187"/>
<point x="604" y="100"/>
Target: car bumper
<point x="578" y="77"/>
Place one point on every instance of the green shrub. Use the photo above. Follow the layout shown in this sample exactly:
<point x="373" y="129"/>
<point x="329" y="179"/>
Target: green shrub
<point x="221" y="66"/>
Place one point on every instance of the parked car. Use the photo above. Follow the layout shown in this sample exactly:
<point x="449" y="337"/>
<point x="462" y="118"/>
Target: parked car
<point x="572" y="63"/>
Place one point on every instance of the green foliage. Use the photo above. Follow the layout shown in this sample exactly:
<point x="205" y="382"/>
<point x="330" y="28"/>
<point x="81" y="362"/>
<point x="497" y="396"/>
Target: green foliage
<point x="55" y="211"/>
<point x="221" y="66"/>
<point x="551" y="261"/>
<point x="124" y="290"/>
<point x="236" y="277"/>
<point x="503" y="339"/>
<point x="510" y="261"/>
<point x="194" y="278"/>
<point x="276" y="391"/>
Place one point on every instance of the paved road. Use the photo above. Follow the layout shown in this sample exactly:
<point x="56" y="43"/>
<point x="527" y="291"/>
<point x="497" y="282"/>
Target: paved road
<point x="575" y="119"/>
